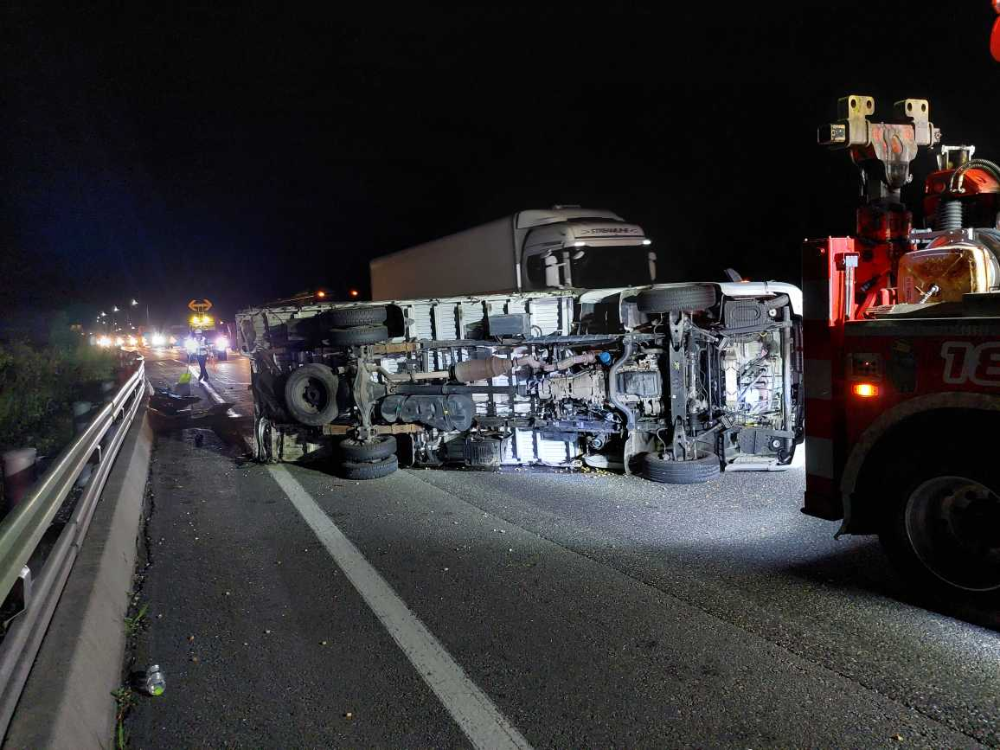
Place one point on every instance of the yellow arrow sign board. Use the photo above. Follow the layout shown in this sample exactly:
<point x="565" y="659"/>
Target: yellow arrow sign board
<point x="200" y="306"/>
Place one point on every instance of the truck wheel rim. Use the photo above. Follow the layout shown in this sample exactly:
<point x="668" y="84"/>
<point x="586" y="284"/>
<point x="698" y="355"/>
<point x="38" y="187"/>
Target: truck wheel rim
<point x="313" y="396"/>
<point x="953" y="524"/>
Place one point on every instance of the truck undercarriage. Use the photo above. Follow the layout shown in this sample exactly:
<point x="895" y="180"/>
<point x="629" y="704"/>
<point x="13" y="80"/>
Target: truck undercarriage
<point x="674" y="382"/>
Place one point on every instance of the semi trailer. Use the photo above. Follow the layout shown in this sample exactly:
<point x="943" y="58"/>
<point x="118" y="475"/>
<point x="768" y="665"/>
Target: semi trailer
<point x="558" y="248"/>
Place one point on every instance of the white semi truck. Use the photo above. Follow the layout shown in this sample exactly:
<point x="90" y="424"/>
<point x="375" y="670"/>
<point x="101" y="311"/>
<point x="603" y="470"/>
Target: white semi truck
<point x="558" y="248"/>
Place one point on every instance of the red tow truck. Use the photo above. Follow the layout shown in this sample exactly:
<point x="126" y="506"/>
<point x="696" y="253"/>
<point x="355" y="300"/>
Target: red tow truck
<point x="902" y="358"/>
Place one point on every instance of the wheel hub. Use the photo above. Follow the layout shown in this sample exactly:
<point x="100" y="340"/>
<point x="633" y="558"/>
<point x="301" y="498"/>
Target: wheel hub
<point x="953" y="524"/>
<point x="313" y="395"/>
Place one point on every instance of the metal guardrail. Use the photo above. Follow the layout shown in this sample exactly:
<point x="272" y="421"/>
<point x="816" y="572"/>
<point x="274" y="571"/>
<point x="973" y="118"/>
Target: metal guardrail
<point x="22" y="530"/>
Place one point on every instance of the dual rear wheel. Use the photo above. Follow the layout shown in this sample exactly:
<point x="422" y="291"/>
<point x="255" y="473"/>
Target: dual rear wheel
<point x="368" y="460"/>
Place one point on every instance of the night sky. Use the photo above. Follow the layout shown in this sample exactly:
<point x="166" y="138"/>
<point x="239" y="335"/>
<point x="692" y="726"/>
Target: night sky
<point x="244" y="155"/>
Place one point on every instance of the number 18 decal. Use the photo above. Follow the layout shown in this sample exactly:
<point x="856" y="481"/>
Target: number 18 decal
<point x="965" y="362"/>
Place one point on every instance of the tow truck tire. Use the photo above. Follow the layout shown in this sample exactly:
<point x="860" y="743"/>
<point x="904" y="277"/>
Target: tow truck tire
<point x="358" y="336"/>
<point x="359" y="470"/>
<point x="941" y="530"/>
<point x="349" y="317"/>
<point x="311" y="395"/>
<point x="222" y="356"/>
<point x="688" y="298"/>
<point x="354" y="450"/>
<point x="666" y="471"/>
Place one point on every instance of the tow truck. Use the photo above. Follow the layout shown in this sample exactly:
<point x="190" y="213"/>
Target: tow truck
<point x="902" y="357"/>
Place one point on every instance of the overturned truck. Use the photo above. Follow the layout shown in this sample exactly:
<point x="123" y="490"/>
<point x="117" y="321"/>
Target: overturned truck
<point x="674" y="382"/>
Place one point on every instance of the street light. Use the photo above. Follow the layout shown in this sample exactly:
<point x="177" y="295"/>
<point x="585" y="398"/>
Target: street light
<point x="135" y="303"/>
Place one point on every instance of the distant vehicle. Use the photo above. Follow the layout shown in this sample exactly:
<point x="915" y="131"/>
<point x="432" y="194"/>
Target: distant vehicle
<point x="216" y="334"/>
<point x="562" y="247"/>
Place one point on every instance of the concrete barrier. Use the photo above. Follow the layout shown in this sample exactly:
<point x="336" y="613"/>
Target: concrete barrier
<point x="67" y="702"/>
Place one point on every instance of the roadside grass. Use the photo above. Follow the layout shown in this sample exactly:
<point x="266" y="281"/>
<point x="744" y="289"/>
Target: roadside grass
<point x="134" y="622"/>
<point x="38" y="386"/>
<point x="124" y="700"/>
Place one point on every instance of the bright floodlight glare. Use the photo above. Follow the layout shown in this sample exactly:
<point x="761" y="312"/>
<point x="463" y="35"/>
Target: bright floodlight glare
<point x="158" y="339"/>
<point x="222" y="342"/>
<point x="190" y="344"/>
<point x="647" y="242"/>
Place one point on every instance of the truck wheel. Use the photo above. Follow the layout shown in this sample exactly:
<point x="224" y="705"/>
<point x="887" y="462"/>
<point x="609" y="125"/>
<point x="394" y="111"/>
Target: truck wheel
<point x="942" y="531"/>
<point x="354" y="450"/>
<point x="311" y="395"/>
<point x="667" y="471"/>
<point x="222" y="356"/>
<point x="262" y="440"/>
<point x="690" y="298"/>
<point x="358" y="336"/>
<point x="366" y="470"/>
<point x="349" y="317"/>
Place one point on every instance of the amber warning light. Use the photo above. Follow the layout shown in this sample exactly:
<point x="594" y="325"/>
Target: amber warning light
<point x="865" y="390"/>
<point x="995" y="36"/>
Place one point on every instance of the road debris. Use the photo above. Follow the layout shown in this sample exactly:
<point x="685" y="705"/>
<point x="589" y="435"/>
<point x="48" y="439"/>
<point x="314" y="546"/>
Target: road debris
<point x="150" y="681"/>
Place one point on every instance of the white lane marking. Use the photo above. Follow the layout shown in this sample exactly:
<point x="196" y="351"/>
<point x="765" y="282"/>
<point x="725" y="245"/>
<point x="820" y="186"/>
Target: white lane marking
<point x="469" y="706"/>
<point x="212" y="393"/>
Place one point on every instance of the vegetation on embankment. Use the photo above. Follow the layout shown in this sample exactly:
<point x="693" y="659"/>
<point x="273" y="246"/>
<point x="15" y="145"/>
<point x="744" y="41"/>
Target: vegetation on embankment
<point x="38" y="385"/>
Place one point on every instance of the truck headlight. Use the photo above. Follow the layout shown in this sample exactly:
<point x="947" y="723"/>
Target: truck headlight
<point x="222" y="343"/>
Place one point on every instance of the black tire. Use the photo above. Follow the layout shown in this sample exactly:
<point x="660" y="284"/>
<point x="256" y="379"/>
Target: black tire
<point x="382" y="447"/>
<point x="367" y="470"/>
<point x="222" y="356"/>
<point x="688" y="298"/>
<point x="695" y="471"/>
<point x="358" y="336"/>
<point x="938" y="529"/>
<point x="350" y="317"/>
<point x="311" y="395"/>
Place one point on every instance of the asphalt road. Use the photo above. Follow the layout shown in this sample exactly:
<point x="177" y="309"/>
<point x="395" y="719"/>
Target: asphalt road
<point x="579" y="610"/>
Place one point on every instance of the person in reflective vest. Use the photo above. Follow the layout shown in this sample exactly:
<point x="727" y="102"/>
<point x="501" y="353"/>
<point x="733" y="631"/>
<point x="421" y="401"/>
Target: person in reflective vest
<point x="201" y="354"/>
